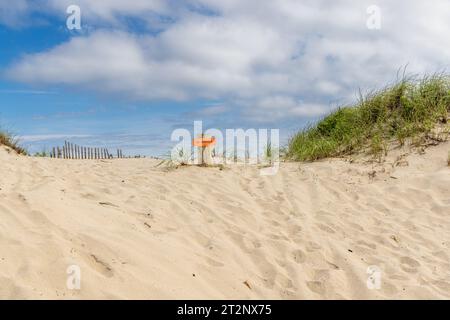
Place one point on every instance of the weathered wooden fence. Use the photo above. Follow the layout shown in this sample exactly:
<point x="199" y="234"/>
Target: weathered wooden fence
<point x="73" y="151"/>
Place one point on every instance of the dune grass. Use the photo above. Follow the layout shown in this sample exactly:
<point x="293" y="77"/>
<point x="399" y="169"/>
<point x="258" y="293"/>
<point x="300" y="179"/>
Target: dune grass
<point x="42" y="154"/>
<point x="7" y="139"/>
<point x="409" y="108"/>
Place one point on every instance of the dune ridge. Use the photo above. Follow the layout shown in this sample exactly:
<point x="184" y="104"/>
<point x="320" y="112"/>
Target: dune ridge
<point x="138" y="231"/>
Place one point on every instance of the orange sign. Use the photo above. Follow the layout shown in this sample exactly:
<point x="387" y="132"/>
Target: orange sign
<point x="204" y="142"/>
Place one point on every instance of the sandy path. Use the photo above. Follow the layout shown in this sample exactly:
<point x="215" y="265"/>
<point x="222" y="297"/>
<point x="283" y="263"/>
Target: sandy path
<point x="311" y="231"/>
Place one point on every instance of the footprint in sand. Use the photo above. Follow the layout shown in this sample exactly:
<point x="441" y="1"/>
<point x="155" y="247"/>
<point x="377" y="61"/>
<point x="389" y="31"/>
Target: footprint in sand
<point x="22" y="198"/>
<point x="325" y="228"/>
<point x="88" y="196"/>
<point x="408" y="264"/>
<point x="312" y="246"/>
<point x="214" y="263"/>
<point x="298" y="256"/>
<point x="316" y="287"/>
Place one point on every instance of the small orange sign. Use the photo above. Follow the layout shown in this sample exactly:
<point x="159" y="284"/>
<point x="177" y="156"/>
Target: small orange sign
<point x="204" y="142"/>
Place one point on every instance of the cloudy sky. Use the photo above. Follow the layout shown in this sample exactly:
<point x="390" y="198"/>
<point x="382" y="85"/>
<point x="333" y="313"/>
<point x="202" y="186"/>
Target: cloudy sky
<point x="136" y="70"/>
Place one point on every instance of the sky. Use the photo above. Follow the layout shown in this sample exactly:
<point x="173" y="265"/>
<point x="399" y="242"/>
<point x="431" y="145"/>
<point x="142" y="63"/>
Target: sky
<point x="137" y="70"/>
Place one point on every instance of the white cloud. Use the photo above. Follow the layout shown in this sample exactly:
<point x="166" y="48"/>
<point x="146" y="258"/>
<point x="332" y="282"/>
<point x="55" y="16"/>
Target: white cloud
<point x="96" y="12"/>
<point x="48" y="137"/>
<point x="213" y="110"/>
<point x="284" y="58"/>
<point x="279" y="107"/>
<point x="12" y="12"/>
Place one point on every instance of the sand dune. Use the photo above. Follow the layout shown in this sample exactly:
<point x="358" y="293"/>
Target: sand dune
<point x="309" y="232"/>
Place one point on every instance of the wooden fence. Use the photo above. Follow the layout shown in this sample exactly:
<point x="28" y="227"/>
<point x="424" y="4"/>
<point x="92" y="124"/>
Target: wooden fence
<point x="73" y="151"/>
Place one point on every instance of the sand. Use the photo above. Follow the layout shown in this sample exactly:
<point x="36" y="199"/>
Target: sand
<point x="137" y="231"/>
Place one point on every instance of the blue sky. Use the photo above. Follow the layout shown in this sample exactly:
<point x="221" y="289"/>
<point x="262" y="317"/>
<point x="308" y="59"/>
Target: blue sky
<point x="138" y="70"/>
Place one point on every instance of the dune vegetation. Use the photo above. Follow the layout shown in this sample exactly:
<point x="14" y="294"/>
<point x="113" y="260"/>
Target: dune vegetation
<point x="8" y="140"/>
<point x="409" y="108"/>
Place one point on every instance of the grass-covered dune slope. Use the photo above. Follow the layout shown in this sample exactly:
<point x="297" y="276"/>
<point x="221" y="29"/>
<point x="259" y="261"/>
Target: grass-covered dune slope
<point x="410" y="108"/>
<point x="8" y="140"/>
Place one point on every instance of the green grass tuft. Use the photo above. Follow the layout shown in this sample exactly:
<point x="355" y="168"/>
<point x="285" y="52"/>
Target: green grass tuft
<point x="10" y="141"/>
<point x="406" y="109"/>
<point x="42" y="154"/>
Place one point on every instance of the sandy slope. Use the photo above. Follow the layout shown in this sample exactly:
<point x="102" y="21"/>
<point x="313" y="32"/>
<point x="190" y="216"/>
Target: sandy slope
<point x="310" y="231"/>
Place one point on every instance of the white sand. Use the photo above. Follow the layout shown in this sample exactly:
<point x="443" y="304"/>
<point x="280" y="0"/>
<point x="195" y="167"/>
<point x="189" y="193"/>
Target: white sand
<point x="310" y="231"/>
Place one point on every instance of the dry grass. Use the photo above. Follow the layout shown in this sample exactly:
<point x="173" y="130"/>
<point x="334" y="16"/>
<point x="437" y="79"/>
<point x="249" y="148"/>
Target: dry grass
<point x="10" y="141"/>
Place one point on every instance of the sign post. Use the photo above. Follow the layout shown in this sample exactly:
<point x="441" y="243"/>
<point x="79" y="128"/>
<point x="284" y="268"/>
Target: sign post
<point x="204" y="146"/>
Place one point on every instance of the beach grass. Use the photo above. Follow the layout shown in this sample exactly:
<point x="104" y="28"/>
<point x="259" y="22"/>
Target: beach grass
<point x="9" y="140"/>
<point x="42" y="154"/>
<point x="409" y="108"/>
